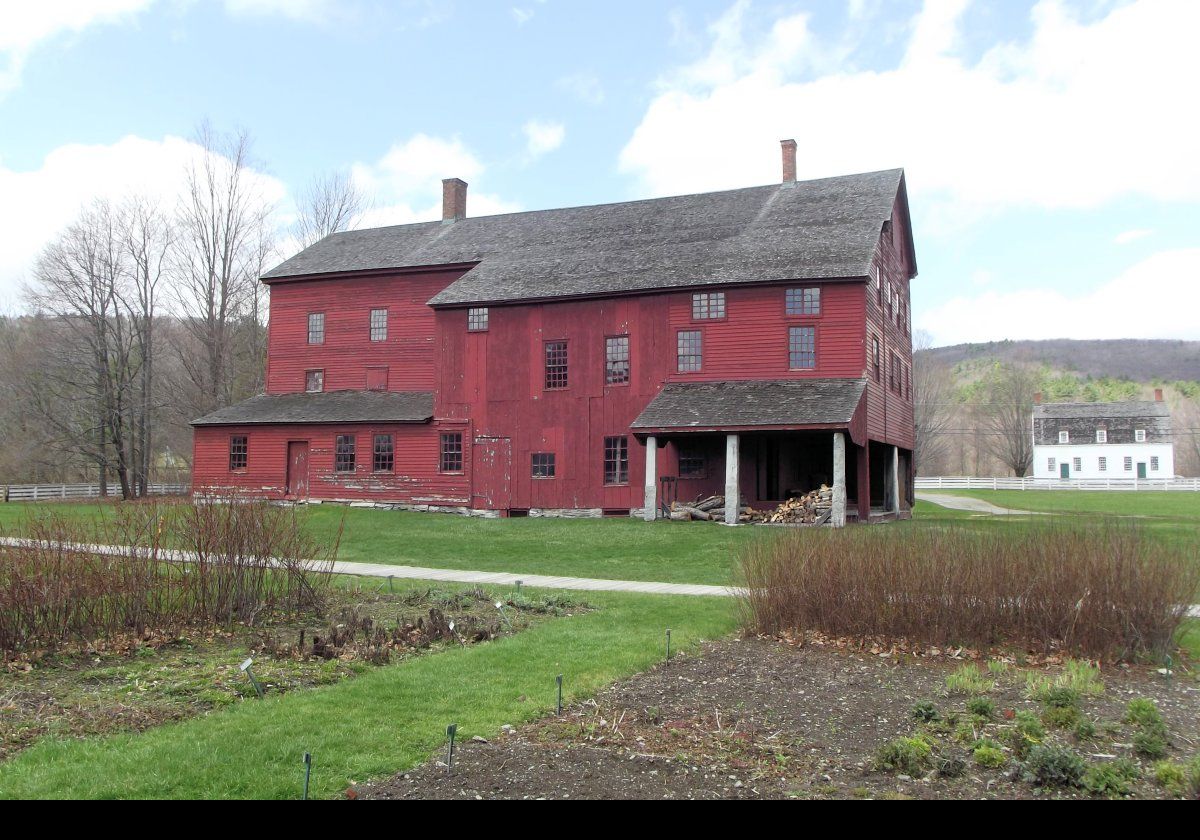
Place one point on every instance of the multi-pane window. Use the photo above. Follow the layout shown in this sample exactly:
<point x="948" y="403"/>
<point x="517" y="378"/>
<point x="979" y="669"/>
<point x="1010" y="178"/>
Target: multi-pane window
<point x="616" y="360"/>
<point x="556" y="364"/>
<point x="1078" y="463"/>
<point x="314" y="380"/>
<point x="1064" y="437"/>
<point x="316" y="328"/>
<point x="689" y="353"/>
<point x="802" y="348"/>
<point x="708" y="305"/>
<point x="878" y="285"/>
<point x="1139" y="435"/>
<point x="1103" y="464"/>
<point x="1102" y="436"/>
<point x="692" y="464"/>
<point x="477" y="319"/>
<point x="542" y="465"/>
<point x="379" y="325"/>
<point x="343" y="454"/>
<point x="383" y="455"/>
<point x="1128" y="463"/>
<point x="238" y="452"/>
<point x="1050" y="464"/>
<point x="804" y="301"/>
<point x="875" y="357"/>
<point x="452" y="452"/>
<point x="616" y="460"/>
<point x="1153" y="463"/>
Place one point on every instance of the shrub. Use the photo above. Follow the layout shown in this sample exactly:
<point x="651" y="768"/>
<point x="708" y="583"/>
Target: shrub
<point x="982" y="707"/>
<point x="1026" y="733"/>
<point x="968" y="679"/>
<point x="1112" y="779"/>
<point x="925" y="712"/>
<point x="1048" y="765"/>
<point x="1084" y="730"/>
<point x="1060" y="717"/>
<point x="1151" y="737"/>
<point x="1179" y="779"/>
<point x="1142" y="711"/>
<point x="910" y="756"/>
<point x="989" y="754"/>
<point x="1152" y="743"/>
<point x="1060" y="697"/>
<point x="1082" y="676"/>
<point x="1110" y="592"/>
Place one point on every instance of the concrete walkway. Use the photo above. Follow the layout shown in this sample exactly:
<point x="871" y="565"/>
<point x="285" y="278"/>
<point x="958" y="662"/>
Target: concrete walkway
<point x="970" y="503"/>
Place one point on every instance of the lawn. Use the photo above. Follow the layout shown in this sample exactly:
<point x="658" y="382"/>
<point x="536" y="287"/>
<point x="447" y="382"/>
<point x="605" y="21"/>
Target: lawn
<point x="377" y="723"/>
<point x="1178" y="506"/>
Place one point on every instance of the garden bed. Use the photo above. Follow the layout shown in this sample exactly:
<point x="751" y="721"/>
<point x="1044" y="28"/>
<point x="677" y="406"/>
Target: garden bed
<point x="764" y="719"/>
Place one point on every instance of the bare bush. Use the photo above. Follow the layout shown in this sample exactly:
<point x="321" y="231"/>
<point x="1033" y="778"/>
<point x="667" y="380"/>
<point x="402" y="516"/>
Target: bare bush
<point x="1108" y="591"/>
<point x="76" y="580"/>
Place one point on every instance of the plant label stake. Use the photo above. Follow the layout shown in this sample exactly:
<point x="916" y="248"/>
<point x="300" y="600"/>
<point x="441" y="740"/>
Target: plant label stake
<point x="518" y="589"/>
<point x="451" y="731"/>
<point x="245" y="668"/>
<point x="307" y="772"/>
<point x="668" y="644"/>
<point x="558" y="679"/>
<point x="504" y="615"/>
<point x="389" y="583"/>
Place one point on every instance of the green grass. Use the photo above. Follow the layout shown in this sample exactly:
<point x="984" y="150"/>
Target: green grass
<point x="1157" y="504"/>
<point x="373" y="725"/>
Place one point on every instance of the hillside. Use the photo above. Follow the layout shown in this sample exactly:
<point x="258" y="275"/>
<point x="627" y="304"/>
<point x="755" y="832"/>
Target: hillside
<point x="1138" y="360"/>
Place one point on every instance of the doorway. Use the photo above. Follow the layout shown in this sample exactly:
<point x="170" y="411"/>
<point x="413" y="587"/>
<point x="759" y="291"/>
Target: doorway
<point x="1142" y="469"/>
<point x="1064" y="470"/>
<point x="297" y="470"/>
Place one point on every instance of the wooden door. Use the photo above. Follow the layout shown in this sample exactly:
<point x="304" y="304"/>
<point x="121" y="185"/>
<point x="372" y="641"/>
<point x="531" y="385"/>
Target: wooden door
<point x="1064" y="470"/>
<point x="491" y="473"/>
<point x="297" y="470"/>
<point x="1142" y="469"/>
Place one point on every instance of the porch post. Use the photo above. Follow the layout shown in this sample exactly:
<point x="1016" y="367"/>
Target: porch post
<point x="732" y="490"/>
<point x="837" y="517"/>
<point x="895" y="501"/>
<point x="651" y="498"/>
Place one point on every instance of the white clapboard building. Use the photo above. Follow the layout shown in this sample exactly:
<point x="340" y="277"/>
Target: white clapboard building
<point x="1116" y="440"/>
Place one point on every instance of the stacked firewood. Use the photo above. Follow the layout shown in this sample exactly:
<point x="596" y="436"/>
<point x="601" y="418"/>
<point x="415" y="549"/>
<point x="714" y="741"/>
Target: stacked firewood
<point x="812" y="508"/>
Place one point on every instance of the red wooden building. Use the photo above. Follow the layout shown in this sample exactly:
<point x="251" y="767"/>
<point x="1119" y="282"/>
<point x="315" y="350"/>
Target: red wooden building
<point x="568" y="360"/>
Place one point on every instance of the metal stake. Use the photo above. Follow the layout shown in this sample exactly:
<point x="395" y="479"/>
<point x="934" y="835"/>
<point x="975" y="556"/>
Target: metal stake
<point x="558" y="679"/>
<point x="451" y="731"/>
<point x="307" y="772"/>
<point x="668" y="644"/>
<point x="518" y="589"/>
<point x="245" y="667"/>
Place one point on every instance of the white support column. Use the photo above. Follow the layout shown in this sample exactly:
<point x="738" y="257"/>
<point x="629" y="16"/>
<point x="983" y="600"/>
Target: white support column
<point x="896" y="479"/>
<point x="837" y="517"/>
<point x="732" y="489"/>
<point x="651" y="499"/>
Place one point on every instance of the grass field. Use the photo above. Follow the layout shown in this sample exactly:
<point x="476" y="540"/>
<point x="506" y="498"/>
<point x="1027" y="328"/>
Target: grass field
<point x="1177" y="506"/>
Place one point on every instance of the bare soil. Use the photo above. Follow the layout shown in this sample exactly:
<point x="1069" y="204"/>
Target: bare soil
<point x="760" y="719"/>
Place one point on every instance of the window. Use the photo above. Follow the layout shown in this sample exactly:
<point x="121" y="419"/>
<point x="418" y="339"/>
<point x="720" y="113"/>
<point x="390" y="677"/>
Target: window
<point x="803" y="301"/>
<point x="1102" y="436"/>
<point x="708" y="305"/>
<point x="689" y="353"/>
<point x="314" y="381"/>
<point x="802" y="348"/>
<point x="894" y="373"/>
<point x="1153" y="463"/>
<point x="383" y="456"/>
<point x="875" y="357"/>
<point x="477" y="319"/>
<point x="1064" y="437"/>
<point x="343" y="454"/>
<point x="616" y="460"/>
<point x="379" y="325"/>
<point x="616" y="360"/>
<point x="1078" y="464"/>
<point x="542" y="465"/>
<point x="692" y="464"/>
<point x="377" y="378"/>
<point x="1139" y="435"/>
<point x="1103" y="464"/>
<point x="316" y="328"/>
<point x="1050" y="464"/>
<point x="1128" y="463"/>
<point x="556" y="364"/>
<point x="452" y="452"/>
<point x="238" y="451"/>
<point x="878" y="285"/>
<point x="891" y="302"/>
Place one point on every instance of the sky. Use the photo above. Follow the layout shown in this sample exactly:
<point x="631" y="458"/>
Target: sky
<point x="1049" y="147"/>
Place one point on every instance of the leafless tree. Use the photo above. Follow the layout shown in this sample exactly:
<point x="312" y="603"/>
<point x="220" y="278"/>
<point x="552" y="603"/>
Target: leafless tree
<point x="223" y="232"/>
<point x="933" y="403"/>
<point x="1006" y="415"/>
<point x="331" y="203"/>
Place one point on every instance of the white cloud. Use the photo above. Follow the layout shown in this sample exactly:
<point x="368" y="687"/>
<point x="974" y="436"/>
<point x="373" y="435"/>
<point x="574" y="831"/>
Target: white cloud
<point x="1127" y="236"/>
<point x="1156" y="298"/>
<point x="308" y="11"/>
<point x="522" y="15"/>
<point x="543" y="137"/>
<point x="406" y="183"/>
<point x="40" y="203"/>
<point x="26" y="25"/>
<point x="585" y="87"/>
<point x="1078" y="115"/>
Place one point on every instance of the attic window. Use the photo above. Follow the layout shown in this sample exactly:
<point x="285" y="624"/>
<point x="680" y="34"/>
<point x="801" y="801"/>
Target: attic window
<point x="708" y="305"/>
<point x="1102" y="436"/>
<point x="1064" y="437"/>
<point x="477" y="319"/>
<point x="803" y="301"/>
<point x="1139" y="435"/>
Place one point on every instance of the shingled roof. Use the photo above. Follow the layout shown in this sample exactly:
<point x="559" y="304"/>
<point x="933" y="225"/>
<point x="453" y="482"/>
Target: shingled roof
<point x="769" y="403"/>
<point x="326" y="407"/>
<point x="1100" y="410"/>
<point x="822" y="229"/>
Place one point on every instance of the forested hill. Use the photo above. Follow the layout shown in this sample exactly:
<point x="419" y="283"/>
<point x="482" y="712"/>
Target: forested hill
<point x="1139" y="360"/>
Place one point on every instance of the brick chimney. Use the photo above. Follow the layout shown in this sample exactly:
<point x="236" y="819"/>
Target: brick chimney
<point x="789" y="161"/>
<point x="454" y="199"/>
<point x="1037" y="398"/>
<point x="1158" y="394"/>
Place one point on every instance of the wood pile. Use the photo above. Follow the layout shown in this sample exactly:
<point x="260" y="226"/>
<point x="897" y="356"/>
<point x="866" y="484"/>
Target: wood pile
<point x="812" y="508"/>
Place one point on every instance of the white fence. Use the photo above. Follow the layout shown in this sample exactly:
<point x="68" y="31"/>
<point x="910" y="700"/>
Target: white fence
<point x="971" y="483"/>
<point x="49" y="492"/>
